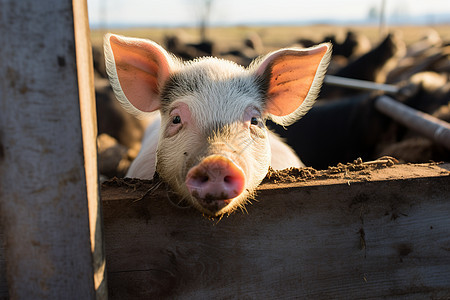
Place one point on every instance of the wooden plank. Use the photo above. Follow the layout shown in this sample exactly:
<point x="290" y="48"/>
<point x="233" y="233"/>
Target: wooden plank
<point x="378" y="233"/>
<point x="85" y="77"/>
<point x="43" y="185"/>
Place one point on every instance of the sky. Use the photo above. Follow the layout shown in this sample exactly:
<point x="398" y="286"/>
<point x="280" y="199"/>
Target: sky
<point x="242" y="12"/>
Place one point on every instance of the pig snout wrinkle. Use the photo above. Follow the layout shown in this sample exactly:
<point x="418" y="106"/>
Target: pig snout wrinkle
<point x="215" y="181"/>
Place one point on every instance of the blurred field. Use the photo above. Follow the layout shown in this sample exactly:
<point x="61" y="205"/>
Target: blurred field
<point x="273" y="37"/>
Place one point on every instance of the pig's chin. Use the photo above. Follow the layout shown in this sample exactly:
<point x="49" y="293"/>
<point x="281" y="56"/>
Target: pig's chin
<point x="215" y="206"/>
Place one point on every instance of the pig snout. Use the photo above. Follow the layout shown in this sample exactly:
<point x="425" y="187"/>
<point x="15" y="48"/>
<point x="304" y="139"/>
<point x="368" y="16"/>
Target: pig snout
<point x="215" y="182"/>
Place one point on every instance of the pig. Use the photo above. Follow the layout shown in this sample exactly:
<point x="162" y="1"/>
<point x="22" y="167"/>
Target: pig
<point x="372" y="66"/>
<point x="354" y="45"/>
<point x="341" y="131"/>
<point x="207" y="138"/>
<point x="337" y="131"/>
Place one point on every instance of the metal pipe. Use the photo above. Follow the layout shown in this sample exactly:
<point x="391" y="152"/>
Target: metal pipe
<point x="360" y="84"/>
<point x="425" y="124"/>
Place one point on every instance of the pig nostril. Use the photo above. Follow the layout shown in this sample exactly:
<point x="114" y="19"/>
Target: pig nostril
<point x="228" y="179"/>
<point x="203" y="179"/>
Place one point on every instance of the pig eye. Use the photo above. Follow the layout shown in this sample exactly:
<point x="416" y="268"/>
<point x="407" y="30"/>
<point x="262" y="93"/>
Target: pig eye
<point x="254" y="121"/>
<point x="176" y="120"/>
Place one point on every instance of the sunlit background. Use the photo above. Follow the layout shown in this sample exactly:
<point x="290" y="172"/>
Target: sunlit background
<point x="124" y="13"/>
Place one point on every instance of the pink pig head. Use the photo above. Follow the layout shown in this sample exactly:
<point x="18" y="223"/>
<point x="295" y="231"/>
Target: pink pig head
<point x="213" y="147"/>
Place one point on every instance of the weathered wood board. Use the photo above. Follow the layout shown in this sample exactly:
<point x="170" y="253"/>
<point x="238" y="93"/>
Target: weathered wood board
<point x="49" y="193"/>
<point x="369" y="235"/>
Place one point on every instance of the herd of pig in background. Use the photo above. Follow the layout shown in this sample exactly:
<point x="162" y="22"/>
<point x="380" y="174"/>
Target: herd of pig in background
<point x="343" y="124"/>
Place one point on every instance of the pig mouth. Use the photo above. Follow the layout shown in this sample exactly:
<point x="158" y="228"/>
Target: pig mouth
<point x="213" y="203"/>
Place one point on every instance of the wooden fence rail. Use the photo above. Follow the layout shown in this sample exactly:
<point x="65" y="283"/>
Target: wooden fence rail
<point x="370" y="234"/>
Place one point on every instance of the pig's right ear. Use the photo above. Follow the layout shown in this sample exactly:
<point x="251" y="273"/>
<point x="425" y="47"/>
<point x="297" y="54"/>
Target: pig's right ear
<point x="292" y="79"/>
<point x="137" y="69"/>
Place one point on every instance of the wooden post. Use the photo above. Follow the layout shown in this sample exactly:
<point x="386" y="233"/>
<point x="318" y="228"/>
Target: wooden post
<point x="48" y="200"/>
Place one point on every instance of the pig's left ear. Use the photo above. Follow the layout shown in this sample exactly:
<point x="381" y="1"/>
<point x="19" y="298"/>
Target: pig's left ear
<point x="292" y="79"/>
<point x="137" y="70"/>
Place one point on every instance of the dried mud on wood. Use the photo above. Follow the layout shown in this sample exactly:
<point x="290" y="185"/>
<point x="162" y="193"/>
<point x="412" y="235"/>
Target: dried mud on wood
<point x="135" y="188"/>
<point x="133" y="183"/>
<point x="355" y="170"/>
